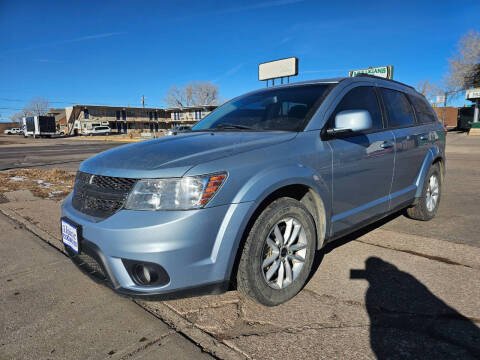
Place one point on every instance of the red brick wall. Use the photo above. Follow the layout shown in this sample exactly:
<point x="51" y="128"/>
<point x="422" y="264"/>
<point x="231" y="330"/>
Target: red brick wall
<point x="450" y="114"/>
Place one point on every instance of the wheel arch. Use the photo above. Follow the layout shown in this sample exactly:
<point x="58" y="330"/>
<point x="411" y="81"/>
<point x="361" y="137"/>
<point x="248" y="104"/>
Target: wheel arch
<point x="434" y="156"/>
<point x="301" y="191"/>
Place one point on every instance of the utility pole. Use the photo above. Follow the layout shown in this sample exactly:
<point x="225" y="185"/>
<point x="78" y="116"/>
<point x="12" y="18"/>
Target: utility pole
<point x="143" y="101"/>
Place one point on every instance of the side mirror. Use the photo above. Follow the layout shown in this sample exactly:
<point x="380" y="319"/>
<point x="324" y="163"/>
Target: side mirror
<point x="350" y="121"/>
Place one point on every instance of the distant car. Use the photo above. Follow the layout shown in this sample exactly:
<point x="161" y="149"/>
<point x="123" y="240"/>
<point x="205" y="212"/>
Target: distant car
<point x="98" y="130"/>
<point x="177" y="129"/>
<point x="13" y="131"/>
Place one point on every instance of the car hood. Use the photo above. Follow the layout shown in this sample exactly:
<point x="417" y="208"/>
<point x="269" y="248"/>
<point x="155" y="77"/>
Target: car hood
<point x="173" y="156"/>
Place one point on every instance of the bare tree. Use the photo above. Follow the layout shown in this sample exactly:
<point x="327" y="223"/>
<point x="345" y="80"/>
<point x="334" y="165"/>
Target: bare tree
<point x="17" y="117"/>
<point x="205" y="93"/>
<point x="464" y="65"/>
<point x="37" y="106"/>
<point x="427" y="88"/>
<point x="192" y="94"/>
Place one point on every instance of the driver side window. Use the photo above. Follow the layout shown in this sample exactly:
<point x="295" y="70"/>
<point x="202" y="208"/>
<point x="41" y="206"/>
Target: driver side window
<point x="360" y="98"/>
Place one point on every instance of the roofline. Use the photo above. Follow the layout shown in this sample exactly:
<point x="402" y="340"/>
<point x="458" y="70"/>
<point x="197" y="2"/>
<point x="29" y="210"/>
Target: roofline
<point x="378" y="77"/>
<point x="116" y="107"/>
<point x="141" y="108"/>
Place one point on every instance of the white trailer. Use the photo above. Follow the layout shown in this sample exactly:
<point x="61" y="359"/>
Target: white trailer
<point x="39" y="126"/>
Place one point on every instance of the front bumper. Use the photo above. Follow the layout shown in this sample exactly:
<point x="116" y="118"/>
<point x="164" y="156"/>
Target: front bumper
<point x="196" y="247"/>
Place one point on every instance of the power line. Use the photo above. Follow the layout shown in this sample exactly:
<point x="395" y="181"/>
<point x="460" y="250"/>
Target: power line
<point x="101" y="103"/>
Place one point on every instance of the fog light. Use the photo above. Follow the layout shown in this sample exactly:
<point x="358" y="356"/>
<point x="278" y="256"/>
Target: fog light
<point x="145" y="274"/>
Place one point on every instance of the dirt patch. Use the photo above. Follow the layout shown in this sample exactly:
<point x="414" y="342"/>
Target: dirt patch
<point x="52" y="184"/>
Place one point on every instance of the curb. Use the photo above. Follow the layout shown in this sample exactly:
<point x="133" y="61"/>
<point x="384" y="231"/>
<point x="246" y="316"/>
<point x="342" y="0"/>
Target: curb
<point x="161" y="311"/>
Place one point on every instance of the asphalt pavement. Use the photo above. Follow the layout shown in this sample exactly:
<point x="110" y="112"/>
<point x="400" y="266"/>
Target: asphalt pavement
<point x="66" y="153"/>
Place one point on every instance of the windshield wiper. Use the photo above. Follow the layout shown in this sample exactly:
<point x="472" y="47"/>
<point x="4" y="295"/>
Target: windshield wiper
<point x="234" y="126"/>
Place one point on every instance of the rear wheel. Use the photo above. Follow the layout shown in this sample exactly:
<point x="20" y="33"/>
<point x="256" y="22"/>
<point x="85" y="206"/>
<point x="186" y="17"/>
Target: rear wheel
<point x="427" y="205"/>
<point x="278" y="253"/>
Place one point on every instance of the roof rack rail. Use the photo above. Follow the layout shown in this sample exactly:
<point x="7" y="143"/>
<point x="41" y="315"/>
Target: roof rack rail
<point x="377" y="77"/>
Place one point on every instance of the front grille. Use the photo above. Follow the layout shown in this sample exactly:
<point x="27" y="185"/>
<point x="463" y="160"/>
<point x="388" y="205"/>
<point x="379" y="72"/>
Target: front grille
<point x="100" y="196"/>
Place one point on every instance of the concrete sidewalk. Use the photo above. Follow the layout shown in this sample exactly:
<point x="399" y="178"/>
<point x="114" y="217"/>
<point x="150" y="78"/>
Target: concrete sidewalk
<point x="379" y="293"/>
<point x="49" y="310"/>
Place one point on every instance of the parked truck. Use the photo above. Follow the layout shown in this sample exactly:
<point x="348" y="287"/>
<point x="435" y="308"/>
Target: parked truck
<point x="39" y="126"/>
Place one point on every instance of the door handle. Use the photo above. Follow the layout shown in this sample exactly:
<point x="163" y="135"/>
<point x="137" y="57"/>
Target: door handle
<point x="386" y="145"/>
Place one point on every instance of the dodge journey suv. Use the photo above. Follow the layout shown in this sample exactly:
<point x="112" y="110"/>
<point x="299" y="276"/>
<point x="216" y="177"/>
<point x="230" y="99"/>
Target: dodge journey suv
<point x="255" y="188"/>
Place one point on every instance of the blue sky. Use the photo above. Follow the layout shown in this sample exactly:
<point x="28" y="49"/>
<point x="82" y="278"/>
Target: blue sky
<point x="112" y="52"/>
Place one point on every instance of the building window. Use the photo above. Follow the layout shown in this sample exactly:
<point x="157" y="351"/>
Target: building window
<point x="117" y="115"/>
<point x="150" y="115"/>
<point x="86" y="115"/>
<point x="156" y="115"/>
<point x="198" y="114"/>
<point x="124" y="115"/>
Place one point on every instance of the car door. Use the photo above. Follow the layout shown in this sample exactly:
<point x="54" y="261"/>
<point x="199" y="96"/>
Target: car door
<point x="409" y="152"/>
<point x="362" y="165"/>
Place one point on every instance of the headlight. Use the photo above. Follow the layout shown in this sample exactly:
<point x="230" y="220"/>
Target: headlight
<point x="190" y="192"/>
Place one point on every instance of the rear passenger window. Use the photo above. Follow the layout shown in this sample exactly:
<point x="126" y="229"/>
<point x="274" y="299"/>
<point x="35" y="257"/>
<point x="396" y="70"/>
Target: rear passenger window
<point x="400" y="112"/>
<point x="423" y="110"/>
<point x="361" y="98"/>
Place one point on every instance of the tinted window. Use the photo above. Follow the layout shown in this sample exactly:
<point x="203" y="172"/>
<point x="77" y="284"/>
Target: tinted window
<point x="423" y="110"/>
<point x="399" y="110"/>
<point x="272" y="109"/>
<point x="361" y="98"/>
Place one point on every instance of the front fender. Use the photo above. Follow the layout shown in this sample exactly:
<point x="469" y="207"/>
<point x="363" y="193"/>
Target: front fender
<point x="262" y="184"/>
<point x="266" y="182"/>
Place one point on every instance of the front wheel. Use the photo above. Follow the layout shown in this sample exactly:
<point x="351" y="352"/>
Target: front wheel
<point x="278" y="254"/>
<point x="427" y="205"/>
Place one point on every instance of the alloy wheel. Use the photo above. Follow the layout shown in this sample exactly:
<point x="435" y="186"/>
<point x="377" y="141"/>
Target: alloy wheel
<point x="432" y="193"/>
<point x="284" y="253"/>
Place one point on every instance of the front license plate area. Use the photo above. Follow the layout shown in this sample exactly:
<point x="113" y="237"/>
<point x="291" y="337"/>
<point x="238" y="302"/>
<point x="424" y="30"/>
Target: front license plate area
<point x="71" y="235"/>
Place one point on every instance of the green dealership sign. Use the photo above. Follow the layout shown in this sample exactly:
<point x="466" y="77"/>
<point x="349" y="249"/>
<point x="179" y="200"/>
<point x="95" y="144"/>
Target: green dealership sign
<point x="380" y="71"/>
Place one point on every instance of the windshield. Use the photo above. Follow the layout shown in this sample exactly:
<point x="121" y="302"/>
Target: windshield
<point x="287" y="109"/>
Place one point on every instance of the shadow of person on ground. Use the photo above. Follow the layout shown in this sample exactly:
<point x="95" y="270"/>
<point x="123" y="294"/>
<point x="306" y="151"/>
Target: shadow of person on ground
<point x="407" y="321"/>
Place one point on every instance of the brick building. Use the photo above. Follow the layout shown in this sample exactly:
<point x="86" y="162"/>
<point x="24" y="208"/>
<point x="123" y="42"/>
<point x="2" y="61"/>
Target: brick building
<point x="132" y="119"/>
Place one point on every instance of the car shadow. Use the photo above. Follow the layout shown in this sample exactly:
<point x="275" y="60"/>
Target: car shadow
<point x="407" y="321"/>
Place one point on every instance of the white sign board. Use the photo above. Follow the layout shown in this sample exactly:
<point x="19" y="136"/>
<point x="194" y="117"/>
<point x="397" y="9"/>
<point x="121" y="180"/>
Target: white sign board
<point x="278" y="69"/>
<point x="380" y="71"/>
<point x="472" y="94"/>
<point x="439" y="99"/>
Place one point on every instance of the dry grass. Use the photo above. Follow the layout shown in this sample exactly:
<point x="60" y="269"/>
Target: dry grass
<point x="55" y="183"/>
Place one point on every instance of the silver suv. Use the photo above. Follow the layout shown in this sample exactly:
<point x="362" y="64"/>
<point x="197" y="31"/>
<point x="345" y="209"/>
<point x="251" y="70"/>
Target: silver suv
<point x="250" y="194"/>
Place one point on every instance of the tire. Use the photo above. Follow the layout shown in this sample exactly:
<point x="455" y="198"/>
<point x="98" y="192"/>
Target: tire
<point x="262" y="283"/>
<point x="425" y="209"/>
